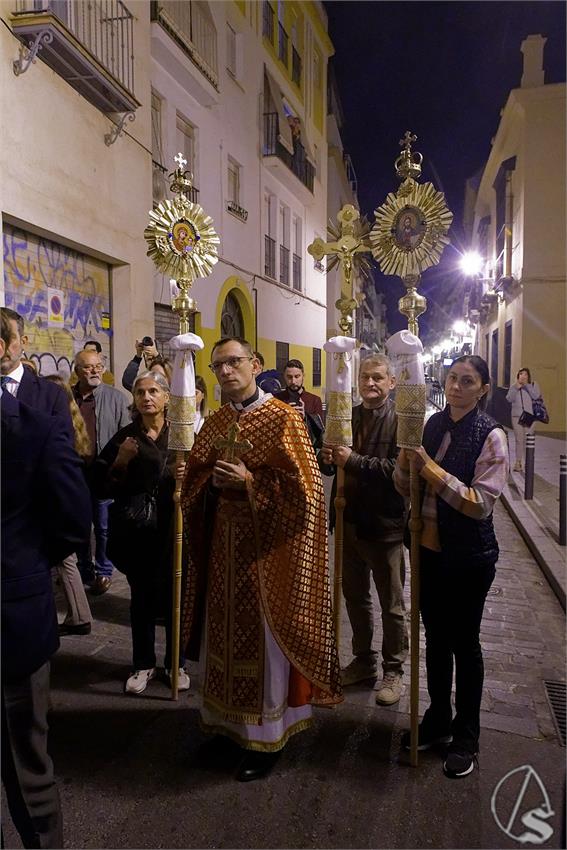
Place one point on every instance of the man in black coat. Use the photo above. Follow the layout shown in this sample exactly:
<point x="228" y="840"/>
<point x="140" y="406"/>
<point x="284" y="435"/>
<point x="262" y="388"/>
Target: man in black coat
<point x="21" y="382"/>
<point x="373" y="531"/>
<point x="45" y="515"/>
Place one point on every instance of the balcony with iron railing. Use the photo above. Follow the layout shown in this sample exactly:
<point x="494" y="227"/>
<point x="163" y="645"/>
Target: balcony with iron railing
<point x="89" y="44"/>
<point x="283" y="42"/>
<point x="296" y="274"/>
<point x="269" y="256"/>
<point x="296" y="162"/>
<point x="189" y="25"/>
<point x="284" y="265"/>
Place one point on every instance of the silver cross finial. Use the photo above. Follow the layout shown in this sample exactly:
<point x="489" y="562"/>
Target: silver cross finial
<point x="180" y="160"/>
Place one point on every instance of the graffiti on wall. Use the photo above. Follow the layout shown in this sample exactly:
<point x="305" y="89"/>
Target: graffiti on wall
<point x="35" y="269"/>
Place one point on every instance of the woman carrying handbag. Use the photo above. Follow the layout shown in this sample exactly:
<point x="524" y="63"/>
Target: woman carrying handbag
<point x="521" y="396"/>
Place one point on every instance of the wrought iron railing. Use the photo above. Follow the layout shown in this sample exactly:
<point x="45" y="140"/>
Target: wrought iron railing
<point x="297" y="272"/>
<point x="297" y="162"/>
<point x="160" y="183"/>
<point x="104" y="27"/>
<point x="284" y="265"/>
<point x="283" y="44"/>
<point x="270" y="256"/>
<point x="295" y="67"/>
<point x="268" y="21"/>
<point x="190" y="26"/>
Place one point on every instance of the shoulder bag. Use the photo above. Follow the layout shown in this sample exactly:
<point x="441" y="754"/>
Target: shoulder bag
<point x="526" y="420"/>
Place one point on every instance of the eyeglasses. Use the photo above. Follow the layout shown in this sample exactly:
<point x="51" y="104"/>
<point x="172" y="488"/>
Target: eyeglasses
<point x="92" y="368"/>
<point x="231" y="362"/>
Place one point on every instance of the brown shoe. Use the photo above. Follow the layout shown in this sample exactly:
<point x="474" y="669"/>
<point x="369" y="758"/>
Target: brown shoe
<point x="101" y="585"/>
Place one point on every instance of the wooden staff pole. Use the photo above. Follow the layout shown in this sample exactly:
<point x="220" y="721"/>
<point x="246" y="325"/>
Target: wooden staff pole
<point x="177" y="571"/>
<point x="340" y="502"/>
<point x="415" y="525"/>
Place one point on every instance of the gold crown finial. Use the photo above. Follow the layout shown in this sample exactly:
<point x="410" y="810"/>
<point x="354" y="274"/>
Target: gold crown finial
<point x="181" y="181"/>
<point x="408" y="164"/>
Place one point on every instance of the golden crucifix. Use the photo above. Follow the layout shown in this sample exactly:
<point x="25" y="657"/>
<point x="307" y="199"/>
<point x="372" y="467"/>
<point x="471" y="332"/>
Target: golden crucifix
<point x="344" y="249"/>
<point x="231" y="446"/>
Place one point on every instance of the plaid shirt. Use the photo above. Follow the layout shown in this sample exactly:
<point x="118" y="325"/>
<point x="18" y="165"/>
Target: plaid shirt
<point x="476" y="501"/>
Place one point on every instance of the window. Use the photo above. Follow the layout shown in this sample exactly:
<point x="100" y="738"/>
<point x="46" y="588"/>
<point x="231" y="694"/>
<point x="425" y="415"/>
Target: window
<point x="282" y="356"/>
<point x="503" y="187"/>
<point x="316" y="367"/>
<point x="494" y="359"/>
<point x="284" y="244"/>
<point x="231" y="50"/>
<point x="185" y="143"/>
<point x="297" y="252"/>
<point x="232" y="323"/>
<point x="507" y="353"/>
<point x="233" y="181"/>
<point x="159" y="171"/>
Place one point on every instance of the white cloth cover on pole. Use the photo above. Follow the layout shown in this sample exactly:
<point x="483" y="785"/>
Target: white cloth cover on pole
<point x="181" y="410"/>
<point x="406" y="353"/>
<point x="338" y="425"/>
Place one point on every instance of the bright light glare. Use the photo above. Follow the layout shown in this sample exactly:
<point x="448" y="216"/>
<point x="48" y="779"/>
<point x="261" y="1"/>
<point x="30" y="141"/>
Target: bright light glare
<point x="436" y="349"/>
<point x="447" y="345"/>
<point x="460" y="327"/>
<point x="471" y="263"/>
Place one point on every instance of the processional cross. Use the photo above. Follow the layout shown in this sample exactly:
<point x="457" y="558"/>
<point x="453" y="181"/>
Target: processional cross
<point x="344" y="249"/>
<point x="180" y="160"/>
<point x="231" y="446"/>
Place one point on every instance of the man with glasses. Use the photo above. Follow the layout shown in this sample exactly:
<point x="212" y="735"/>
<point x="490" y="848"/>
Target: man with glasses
<point x="257" y="569"/>
<point x="105" y="411"/>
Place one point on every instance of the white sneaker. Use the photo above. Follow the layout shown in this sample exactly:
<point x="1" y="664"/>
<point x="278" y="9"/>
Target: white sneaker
<point x="183" y="680"/>
<point x="138" y="681"/>
<point x="390" y="689"/>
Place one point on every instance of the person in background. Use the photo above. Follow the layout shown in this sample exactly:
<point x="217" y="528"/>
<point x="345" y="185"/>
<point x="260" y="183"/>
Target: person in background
<point x="78" y="620"/>
<point x="463" y="467"/>
<point x="21" y="382"/>
<point x="105" y="411"/>
<point x="134" y="466"/>
<point x="268" y="379"/>
<point x="307" y="404"/>
<point x="45" y="514"/>
<point x="520" y="396"/>
<point x="92" y="345"/>
<point x="200" y="402"/>
<point x="146" y="351"/>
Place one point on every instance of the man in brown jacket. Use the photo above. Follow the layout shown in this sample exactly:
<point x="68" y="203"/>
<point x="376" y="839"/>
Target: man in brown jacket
<point x="373" y="531"/>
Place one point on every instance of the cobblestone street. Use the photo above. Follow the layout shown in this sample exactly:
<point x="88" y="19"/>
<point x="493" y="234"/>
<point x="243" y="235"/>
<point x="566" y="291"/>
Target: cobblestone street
<point x="130" y="773"/>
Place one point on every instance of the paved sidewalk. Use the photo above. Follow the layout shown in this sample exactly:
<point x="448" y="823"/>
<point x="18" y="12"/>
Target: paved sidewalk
<point x="537" y="519"/>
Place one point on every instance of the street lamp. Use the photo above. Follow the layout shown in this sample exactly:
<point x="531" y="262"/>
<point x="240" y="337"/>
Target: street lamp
<point x="471" y="263"/>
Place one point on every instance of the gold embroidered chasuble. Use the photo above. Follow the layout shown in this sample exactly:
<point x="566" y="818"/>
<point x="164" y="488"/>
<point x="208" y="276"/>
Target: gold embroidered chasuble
<point x="259" y="551"/>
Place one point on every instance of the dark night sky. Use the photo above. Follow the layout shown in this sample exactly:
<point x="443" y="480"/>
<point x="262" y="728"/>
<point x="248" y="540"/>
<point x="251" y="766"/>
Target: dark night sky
<point x="442" y="70"/>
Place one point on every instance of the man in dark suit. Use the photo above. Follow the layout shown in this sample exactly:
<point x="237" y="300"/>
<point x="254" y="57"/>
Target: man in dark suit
<point x="21" y="382"/>
<point x="46" y="514"/>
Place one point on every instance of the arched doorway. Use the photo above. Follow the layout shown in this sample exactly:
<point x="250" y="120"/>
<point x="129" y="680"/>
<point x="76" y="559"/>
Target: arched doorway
<point x="232" y="321"/>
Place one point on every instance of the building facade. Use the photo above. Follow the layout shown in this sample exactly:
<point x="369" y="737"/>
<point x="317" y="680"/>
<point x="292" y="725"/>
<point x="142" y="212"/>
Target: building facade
<point x="516" y="211"/>
<point x="239" y="88"/>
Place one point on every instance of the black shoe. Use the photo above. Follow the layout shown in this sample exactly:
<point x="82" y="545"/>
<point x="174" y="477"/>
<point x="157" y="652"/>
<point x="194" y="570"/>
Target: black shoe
<point x="70" y="629"/>
<point x="459" y="762"/>
<point x="426" y="738"/>
<point x="256" y="765"/>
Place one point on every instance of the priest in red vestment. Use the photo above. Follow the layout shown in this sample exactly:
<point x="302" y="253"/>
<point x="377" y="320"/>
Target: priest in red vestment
<point x="257" y="598"/>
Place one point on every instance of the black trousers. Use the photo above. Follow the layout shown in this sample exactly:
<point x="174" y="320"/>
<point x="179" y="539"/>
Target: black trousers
<point x="27" y="769"/>
<point x="150" y="598"/>
<point x="452" y="598"/>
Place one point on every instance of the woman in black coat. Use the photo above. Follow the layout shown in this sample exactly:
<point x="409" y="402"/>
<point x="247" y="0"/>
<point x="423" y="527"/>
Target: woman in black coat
<point x="136" y="470"/>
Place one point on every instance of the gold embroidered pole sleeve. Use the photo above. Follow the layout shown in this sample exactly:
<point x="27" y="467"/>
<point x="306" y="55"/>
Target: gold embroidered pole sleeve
<point x="287" y="557"/>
